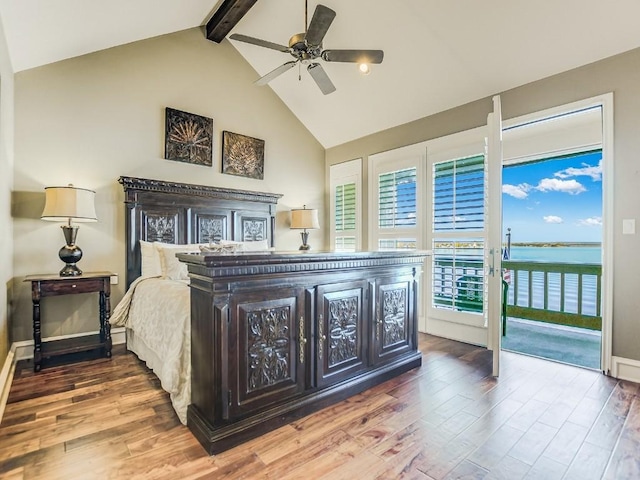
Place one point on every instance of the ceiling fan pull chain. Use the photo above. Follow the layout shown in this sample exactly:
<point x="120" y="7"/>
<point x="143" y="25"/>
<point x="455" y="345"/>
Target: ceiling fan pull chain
<point x="299" y="71"/>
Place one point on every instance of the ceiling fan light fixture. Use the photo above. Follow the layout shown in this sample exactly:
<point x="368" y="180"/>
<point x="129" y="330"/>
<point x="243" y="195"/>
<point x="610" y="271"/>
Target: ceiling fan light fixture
<point x="364" y="68"/>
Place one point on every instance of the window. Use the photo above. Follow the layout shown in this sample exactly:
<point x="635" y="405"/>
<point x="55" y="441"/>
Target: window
<point x="346" y="184"/>
<point x="397" y="206"/>
<point x="396" y="189"/>
<point x="458" y="234"/>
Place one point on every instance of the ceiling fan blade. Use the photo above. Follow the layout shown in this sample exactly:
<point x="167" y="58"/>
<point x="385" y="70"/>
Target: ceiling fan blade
<point x="261" y="43"/>
<point x="320" y="23"/>
<point x="274" y="73"/>
<point x="322" y="79"/>
<point x="354" y="56"/>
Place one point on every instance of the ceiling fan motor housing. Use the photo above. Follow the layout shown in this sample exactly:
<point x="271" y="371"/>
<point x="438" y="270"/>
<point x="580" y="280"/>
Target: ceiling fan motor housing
<point x="301" y="50"/>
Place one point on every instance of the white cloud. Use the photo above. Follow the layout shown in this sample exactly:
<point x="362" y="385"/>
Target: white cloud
<point x="552" y="219"/>
<point x="590" y="222"/>
<point x="572" y="187"/>
<point x="593" y="171"/>
<point x="517" y="191"/>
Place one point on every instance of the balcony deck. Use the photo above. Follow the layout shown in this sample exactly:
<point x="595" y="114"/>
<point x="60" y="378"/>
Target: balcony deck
<point x="553" y="309"/>
<point x="566" y="344"/>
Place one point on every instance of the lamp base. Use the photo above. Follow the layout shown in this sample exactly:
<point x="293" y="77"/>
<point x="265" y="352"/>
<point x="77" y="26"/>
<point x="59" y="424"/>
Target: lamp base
<point x="70" y="253"/>
<point x="70" y="270"/>
<point x="305" y="237"/>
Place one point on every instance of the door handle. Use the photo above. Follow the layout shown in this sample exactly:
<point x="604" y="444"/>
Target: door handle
<point x="492" y="269"/>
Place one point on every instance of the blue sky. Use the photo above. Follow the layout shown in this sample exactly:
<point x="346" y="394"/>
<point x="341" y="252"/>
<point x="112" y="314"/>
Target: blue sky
<point x="556" y="200"/>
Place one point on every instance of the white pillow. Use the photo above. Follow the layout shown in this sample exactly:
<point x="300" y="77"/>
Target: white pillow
<point x="172" y="267"/>
<point x="151" y="264"/>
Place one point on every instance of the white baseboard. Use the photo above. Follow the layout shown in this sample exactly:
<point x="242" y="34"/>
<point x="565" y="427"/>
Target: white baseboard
<point x="6" y="377"/>
<point x="625" y="369"/>
<point x="457" y="331"/>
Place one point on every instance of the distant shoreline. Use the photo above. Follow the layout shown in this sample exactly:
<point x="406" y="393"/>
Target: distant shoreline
<point x="556" y="244"/>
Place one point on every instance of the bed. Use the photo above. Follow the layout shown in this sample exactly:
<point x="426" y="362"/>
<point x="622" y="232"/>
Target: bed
<point x="162" y="219"/>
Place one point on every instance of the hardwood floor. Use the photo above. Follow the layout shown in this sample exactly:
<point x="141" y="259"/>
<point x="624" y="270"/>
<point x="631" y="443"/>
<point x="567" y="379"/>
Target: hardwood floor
<point x="108" y="419"/>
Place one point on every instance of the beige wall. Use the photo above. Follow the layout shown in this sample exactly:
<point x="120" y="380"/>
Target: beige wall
<point x="619" y="74"/>
<point x="6" y="180"/>
<point x="91" y="119"/>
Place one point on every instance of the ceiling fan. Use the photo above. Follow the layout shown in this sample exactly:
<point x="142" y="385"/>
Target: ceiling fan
<point x="306" y="48"/>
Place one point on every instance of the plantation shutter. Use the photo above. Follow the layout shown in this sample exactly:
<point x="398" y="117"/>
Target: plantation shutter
<point x="458" y="190"/>
<point x="397" y="199"/>
<point x="397" y="209"/>
<point x="345" y="216"/>
<point x="345" y="183"/>
<point x="458" y="234"/>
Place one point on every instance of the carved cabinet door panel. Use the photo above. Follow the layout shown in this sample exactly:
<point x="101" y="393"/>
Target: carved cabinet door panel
<point x="394" y="330"/>
<point x="341" y="333"/>
<point x="267" y="337"/>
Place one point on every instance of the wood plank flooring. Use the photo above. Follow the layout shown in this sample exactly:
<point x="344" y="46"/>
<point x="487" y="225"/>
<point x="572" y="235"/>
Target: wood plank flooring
<point x="109" y="419"/>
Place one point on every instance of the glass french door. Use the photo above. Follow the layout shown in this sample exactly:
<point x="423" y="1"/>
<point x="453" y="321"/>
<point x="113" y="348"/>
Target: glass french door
<point x="463" y="277"/>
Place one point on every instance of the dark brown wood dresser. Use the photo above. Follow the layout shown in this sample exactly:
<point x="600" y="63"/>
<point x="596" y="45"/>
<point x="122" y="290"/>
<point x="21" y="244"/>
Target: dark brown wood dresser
<point x="277" y="335"/>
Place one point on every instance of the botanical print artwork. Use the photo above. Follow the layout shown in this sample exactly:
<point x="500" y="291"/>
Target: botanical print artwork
<point x="242" y="155"/>
<point x="188" y="137"/>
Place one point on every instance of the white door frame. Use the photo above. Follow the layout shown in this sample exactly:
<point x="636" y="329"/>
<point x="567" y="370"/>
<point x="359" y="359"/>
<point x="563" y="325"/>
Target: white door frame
<point x="605" y="101"/>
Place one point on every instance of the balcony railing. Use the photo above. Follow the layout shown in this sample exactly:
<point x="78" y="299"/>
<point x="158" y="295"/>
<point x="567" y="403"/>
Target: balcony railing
<point x="560" y="293"/>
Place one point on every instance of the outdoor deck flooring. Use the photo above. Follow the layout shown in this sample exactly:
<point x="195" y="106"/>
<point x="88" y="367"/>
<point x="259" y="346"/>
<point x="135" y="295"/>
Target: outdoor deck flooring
<point x="575" y="346"/>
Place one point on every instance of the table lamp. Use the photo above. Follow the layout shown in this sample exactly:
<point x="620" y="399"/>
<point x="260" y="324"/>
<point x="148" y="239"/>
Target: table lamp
<point x="304" y="218"/>
<point x="64" y="204"/>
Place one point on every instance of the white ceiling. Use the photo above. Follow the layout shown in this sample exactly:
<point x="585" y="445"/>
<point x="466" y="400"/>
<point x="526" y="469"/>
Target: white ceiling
<point x="438" y="54"/>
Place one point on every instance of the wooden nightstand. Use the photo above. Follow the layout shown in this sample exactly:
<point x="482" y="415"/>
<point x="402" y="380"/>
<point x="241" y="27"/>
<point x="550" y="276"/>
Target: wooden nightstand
<point x="53" y="284"/>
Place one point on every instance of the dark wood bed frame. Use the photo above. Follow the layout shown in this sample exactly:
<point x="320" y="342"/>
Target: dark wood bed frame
<point x="274" y="335"/>
<point x="180" y="213"/>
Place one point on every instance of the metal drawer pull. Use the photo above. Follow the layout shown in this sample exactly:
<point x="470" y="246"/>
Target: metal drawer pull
<point x="323" y="337"/>
<point x="302" y="340"/>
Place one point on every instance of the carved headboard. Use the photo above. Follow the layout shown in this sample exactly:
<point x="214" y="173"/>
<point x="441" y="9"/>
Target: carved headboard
<point x="179" y="213"/>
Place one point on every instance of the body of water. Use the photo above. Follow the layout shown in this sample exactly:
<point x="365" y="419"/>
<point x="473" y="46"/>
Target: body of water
<point x="558" y="254"/>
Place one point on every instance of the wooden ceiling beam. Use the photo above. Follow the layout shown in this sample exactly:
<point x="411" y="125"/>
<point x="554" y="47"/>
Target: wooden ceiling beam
<point x="226" y="17"/>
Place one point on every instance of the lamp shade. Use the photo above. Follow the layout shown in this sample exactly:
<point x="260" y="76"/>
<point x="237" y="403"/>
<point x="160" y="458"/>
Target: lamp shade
<point x="69" y="203"/>
<point x="304" y="218"/>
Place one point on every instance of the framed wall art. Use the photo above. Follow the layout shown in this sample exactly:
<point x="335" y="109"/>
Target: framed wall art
<point x="188" y="137"/>
<point x="242" y="155"/>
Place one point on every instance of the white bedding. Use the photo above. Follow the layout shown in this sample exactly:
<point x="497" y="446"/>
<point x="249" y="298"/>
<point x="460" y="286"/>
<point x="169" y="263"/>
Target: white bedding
<point x="156" y="313"/>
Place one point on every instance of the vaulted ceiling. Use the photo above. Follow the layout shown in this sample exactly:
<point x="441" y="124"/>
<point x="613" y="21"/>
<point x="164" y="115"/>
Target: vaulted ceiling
<point x="438" y="54"/>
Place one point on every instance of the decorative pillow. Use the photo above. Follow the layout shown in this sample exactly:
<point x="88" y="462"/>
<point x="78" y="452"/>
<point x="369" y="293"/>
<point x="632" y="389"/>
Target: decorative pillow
<point x="258" y="246"/>
<point x="219" y="248"/>
<point x="151" y="265"/>
<point x="172" y="267"/>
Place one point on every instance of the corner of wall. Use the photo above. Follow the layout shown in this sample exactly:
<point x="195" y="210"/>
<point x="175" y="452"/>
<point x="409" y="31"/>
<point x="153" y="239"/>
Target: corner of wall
<point x="6" y="187"/>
